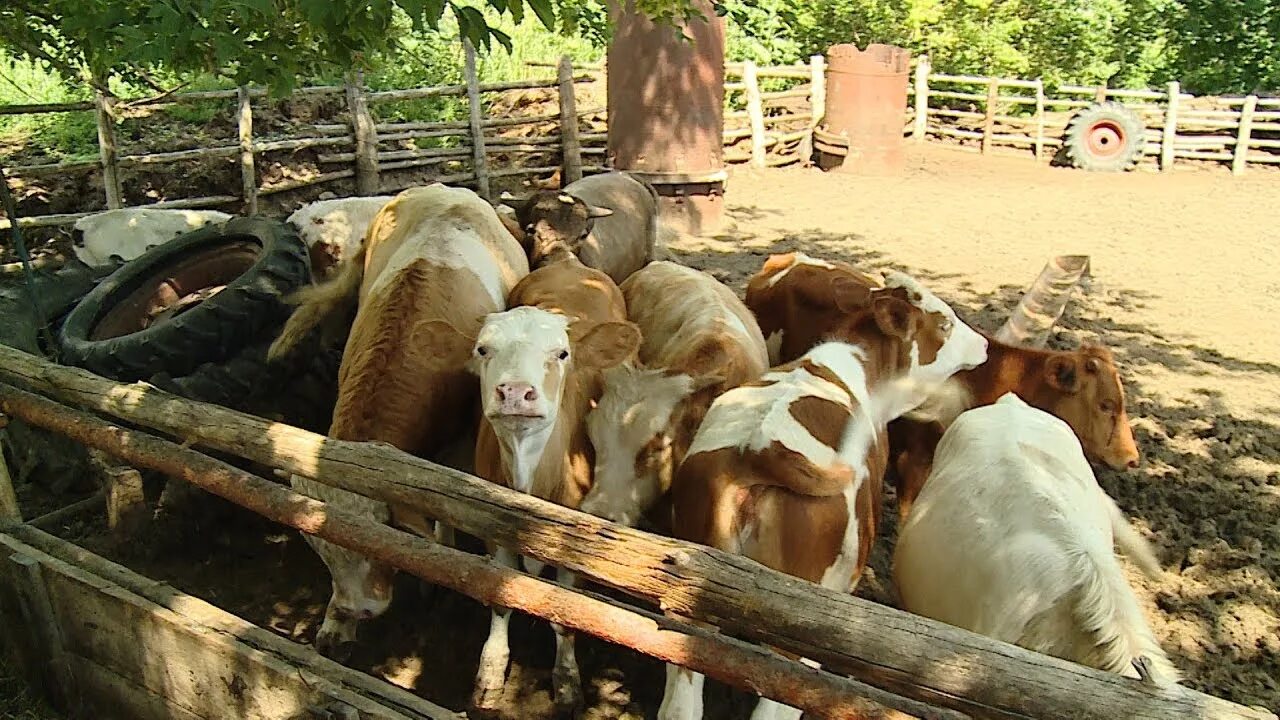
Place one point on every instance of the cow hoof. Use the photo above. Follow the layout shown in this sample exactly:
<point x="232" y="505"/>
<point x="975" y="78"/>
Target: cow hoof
<point x="486" y="699"/>
<point x="568" y="691"/>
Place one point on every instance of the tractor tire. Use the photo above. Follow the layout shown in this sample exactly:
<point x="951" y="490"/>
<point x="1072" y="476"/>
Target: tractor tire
<point x="200" y="298"/>
<point x="1104" y="137"/>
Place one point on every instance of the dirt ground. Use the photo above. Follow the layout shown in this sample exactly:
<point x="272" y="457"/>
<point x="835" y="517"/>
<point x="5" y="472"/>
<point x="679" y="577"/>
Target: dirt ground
<point x="1185" y="279"/>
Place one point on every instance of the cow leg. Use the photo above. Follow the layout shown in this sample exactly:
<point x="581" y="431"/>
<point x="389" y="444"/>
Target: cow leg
<point x="682" y="698"/>
<point x="565" y="679"/>
<point x="496" y="655"/>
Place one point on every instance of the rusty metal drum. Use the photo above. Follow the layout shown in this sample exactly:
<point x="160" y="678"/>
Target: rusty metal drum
<point x="666" y="111"/>
<point x="866" y="108"/>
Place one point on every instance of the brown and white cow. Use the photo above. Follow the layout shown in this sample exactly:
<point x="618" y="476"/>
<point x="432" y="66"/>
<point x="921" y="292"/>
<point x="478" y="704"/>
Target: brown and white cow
<point x="610" y="221"/>
<point x="699" y="340"/>
<point x="432" y="254"/>
<point x="794" y="297"/>
<point x="787" y="469"/>
<point x="540" y="367"/>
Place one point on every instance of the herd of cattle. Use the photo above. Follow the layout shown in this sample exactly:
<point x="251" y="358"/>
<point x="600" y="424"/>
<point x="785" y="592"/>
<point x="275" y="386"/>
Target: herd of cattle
<point x="591" y="374"/>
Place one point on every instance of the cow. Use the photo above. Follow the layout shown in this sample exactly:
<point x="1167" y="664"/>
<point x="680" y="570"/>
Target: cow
<point x="698" y="341"/>
<point x="610" y="221"/>
<point x="540" y="366"/>
<point x="787" y="469"/>
<point x="433" y="254"/>
<point x="123" y="234"/>
<point x="793" y="296"/>
<point x="334" y="230"/>
<point x="1011" y="537"/>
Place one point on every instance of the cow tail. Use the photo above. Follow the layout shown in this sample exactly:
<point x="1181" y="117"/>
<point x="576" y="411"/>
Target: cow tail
<point x="319" y="303"/>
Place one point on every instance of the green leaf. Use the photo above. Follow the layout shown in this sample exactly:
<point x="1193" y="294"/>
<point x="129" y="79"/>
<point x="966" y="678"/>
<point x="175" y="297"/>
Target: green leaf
<point x="503" y="39"/>
<point x="546" y="14"/>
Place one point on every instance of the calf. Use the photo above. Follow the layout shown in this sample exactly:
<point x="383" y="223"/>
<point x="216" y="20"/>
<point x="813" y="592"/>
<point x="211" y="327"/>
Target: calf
<point x="540" y="369"/>
<point x="126" y="233"/>
<point x="787" y="469"/>
<point x="1012" y="538"/>
<point x="434" y="254"/>
<point x="334" y="230"/>
<point x="609" y="221"/>
<point x="794" y="296"/>
<point x="699" y="340"/>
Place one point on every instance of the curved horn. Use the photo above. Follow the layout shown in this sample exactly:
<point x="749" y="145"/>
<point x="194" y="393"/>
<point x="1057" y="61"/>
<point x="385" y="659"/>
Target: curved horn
<point x="594" y="211"/>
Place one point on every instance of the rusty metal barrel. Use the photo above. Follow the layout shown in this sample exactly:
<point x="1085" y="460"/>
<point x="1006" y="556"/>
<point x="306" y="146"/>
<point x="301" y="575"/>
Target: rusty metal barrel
<point x="866" y="108"/>
<point x="666" y="111"/>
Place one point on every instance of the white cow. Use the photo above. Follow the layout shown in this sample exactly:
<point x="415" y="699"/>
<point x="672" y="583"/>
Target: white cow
<point x="334" y="229"/>
<point x="1012" y="537"/>
<point x="126" y="233"/>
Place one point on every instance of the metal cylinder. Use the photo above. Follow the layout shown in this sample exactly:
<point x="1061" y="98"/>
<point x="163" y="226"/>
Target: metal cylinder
<point x="666" y="110"/>
<point x="866" y="108"/>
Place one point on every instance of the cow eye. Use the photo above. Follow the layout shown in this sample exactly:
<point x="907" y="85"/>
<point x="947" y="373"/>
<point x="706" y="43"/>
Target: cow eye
<point x="1107" y="406"/>
<point x="482" y="351"/>
<point x="945" y="326"/>
<point x="562" y="355"/>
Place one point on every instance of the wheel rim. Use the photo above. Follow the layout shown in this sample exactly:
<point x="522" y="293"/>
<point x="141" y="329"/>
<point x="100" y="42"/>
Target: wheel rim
<point x="1105" y="139"/>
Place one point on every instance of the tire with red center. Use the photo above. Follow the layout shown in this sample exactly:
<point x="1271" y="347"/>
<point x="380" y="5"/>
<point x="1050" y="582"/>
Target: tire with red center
<point x="1104" y="137"/>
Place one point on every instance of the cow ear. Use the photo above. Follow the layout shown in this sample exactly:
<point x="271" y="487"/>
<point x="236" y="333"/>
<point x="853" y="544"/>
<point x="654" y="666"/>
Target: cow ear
<point x="1061" y="374"/>
<point x="607" y="344"/>
<point x="595" y="211"/>
<point x="445" y="346"/>
<point x="895" y="316"/>
<point x="850" y="295"/>
<point x="709" y="357"/>
<point x="702" y="382"/>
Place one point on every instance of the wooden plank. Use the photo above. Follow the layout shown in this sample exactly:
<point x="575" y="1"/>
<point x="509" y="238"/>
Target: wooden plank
<point x="982" y="80"/>
<point x="1039" y="136"/>
<point x="755" y="113"/>
<point x="36" y="611"/>
<point x="362" y="126"/>
<point x="818" y="89"/>
<point x="475" y="115"/>
<point x="922" y="100"/>
<point x="179" y="156"/>
<point x="126" y="506"/>
<point x="1170" y="135"/>
<point x="296" y="183"/>
<point x="248" y="174"/>
<point x="571" y="149"/>
<point x="196" y="657"/>
<point x="116" y="696"/>
<point x="41" y="108"/>
<point x="137" y="641"/>
<point x="1241" y="155"/>
<point x="905" y="654"/>
<point x="105" y="118"/>
<point x="989" y="121"/>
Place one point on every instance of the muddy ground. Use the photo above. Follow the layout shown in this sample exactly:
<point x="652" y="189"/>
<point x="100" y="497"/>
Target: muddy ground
<point x="1185" y="284"/>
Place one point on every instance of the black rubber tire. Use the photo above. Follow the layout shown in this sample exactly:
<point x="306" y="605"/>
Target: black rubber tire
<point x="1130" y="129"/>
<point x="211" y="331"/>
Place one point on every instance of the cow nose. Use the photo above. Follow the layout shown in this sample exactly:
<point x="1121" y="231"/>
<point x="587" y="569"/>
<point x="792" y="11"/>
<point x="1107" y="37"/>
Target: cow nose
<point x="1133" y="463"/>
<point x="516" y="392"/>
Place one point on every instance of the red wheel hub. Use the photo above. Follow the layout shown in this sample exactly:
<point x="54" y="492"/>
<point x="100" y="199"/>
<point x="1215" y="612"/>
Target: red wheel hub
<point x="1105" y="139"/>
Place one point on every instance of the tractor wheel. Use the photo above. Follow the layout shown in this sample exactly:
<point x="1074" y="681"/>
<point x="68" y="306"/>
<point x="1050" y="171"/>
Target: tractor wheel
<point x="1104" y="137"/>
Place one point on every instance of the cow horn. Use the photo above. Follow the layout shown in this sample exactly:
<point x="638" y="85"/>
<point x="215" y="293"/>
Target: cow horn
<point x="594" y="211"/>
<point x="566" y="198"/>
<point x="506" y="196"/>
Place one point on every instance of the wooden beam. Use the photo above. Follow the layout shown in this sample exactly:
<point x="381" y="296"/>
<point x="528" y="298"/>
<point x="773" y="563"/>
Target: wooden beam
<point x="1170" y="136"/>
<point x="907" y="655"/>
<point x="921" y="126"/>
<point x="36" y="611"/>
<point x="571" y="148"/>
<point x="1241" y="155"/>
<point x="1039" y="136"/>
<point x="362" y="126"/>
<point x="723" y="658"/>
<point x="475" y="116"/>
<point x="755" y="113"/>
<point x="248" y="174"/>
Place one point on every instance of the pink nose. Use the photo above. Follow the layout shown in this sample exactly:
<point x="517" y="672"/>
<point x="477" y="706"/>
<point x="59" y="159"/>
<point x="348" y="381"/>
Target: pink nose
<point x="516" y="398"/>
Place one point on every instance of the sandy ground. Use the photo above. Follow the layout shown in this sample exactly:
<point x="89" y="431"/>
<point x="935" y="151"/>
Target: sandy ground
<point x="1185" y="281"/>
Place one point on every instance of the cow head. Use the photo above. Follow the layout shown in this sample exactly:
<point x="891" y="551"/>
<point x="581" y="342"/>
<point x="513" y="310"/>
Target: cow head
<point x="361" y="590"/>
<point x="1090" y="398"/>
<point x="640" y="428"/>
<point x="524" y="356"/>
<point x="942" y="344"/>
<point x="554" y="220"/>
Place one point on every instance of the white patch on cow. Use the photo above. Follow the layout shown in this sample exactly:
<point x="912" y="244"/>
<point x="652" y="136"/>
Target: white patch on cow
<point x="773" y="345"/>
<point x="752" y="418"/>
<point x="636" y="406"/>
<point x="963" y="349"/>
<point x="451" y="245"/>
<point x="799" y="259"/>
<point x="1011" y="537"/>
<point x="126" y="233"/>
<point x="682" y="697"/>
<point x="339" y="224"/>
<point x="491" y="674"/>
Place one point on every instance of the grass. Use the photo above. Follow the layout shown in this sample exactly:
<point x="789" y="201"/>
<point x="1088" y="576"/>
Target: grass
<point x="16" y="700"/>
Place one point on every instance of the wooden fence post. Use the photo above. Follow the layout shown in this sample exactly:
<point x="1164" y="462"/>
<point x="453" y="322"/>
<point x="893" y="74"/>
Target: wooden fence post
<point x="989" y="122"/>
<point x="104" y="113"/>
<point x="1170" y="135"/>
<point x="1100" y="95"/>
<point x="10" y="513"/>
<point x="248" y="175"/>
<point x="570" y="147"/>
<point x="43" y="631"/>
<point x="817" y="89"/>
<point x="1039" y="118"/>
<point x="922" y="100"/>
<point x="1243" y="135"/>
<point x="755" y="112"/>
<point x="475" y="115"/>
<point x="366" y="135"/>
